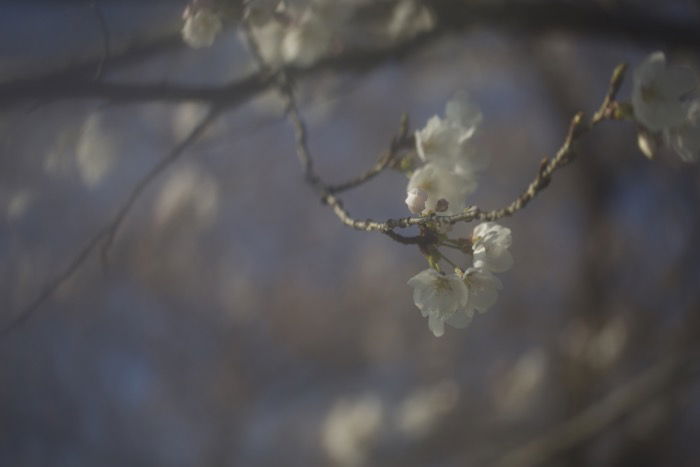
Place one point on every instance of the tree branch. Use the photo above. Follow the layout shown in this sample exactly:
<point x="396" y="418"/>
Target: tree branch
<point x="531" y="18"/>
<point x="400" y="140"/>
<point x="596" y="418"/>
<point x="106" y="235"/>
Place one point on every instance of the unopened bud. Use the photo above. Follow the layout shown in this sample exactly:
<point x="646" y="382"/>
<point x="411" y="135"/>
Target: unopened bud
<point x="415" y="200"/>
<point x="442" y="205"/>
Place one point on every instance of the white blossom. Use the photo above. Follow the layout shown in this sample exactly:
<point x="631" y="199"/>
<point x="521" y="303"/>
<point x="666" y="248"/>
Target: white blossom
<point x="439" y="298"/>
<point x="201" y="27"/>
<point x="307" y="40"/>
<point x="659" y="93"/>
<point x="490" y="243"/>
<point x="438" y="183"/>
<point x="685" y="139"/>
<point x="447" y="141"/>
<point x="483" y="289"/>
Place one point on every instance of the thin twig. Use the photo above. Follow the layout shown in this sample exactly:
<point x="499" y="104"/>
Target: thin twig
<point x="104" y="29"/>
<point x="107" y="234"/>
<point x="599" y="416"/>
<point x="385" y="160"/>
<point x="163" y="164"/>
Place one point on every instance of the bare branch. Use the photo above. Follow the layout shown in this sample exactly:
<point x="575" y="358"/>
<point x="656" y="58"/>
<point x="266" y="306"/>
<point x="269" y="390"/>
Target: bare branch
<point x="163" y="164"/>
<point x="566" y="153"/>
<point x="402" y="139"/>
<point x="107" y="234"/>
<point x="531" y="18"/>
<point x="599" y="416"/>
<point x="104" y="29"/>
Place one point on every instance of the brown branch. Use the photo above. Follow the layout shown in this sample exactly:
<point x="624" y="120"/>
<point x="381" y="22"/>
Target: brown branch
<point x="564" y="156"/>
<point x="532" y="18"/>
<point x="566" y="153"/>
<point x="107" y="234"/>
<point x="402" y="139"/>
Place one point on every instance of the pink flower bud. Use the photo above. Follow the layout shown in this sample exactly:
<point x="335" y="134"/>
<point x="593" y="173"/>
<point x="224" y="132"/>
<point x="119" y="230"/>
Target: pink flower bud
<point x="415" y="200"/>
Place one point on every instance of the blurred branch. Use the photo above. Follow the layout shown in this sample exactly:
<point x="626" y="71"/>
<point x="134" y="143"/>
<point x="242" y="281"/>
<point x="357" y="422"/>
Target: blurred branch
<point x="106" y="235"/>
<point x="104" y="30"/>
<point x="596" y="418"/>
<point x="401" y="139"/>
<point x="566" y="153"/>
<point x="526" y="18"/>
<point x="284" y="86"/>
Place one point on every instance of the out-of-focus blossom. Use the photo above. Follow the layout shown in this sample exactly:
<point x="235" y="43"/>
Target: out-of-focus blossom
<point x="447" y="141"/>
<point x="201" y="27"/>
<point x="660" y="93"/>
<point x="350" y="428"/>
<point x="308" y="39"/>
<point x="408" y="19"/>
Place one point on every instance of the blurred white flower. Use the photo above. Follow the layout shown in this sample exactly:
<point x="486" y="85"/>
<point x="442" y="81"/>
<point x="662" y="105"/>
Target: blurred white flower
<point x="483" y="290"/>
<point x="446" y="141"/>
<point x="659" y="93"/>
<point x="420" y="412"/>
<point x="438" y="183"/>
<point x="308" y="40"/>
<point x="201" y="27"/>
<point x="685" y="139"/>
<point x="439" y="297"/>
<point x="490" y="243"/>
<point x="350" y="429"/>
<point x="268" y="37"/>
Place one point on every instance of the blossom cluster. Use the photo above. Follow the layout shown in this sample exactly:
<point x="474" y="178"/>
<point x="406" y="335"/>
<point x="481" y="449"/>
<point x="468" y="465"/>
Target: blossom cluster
<point x="301" y="32"/>
<point x="448" y="164"/>
<point x="449" y="161"/>
<point x="454" y="298"/>
<point x="666" y="105"/>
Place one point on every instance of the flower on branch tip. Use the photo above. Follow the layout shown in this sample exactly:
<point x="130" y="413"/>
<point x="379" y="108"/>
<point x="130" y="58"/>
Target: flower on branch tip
<point x="490" y="243"/>
<point x="446" y="141"/>
<point x="201" y="27"/>
<point x="660" y="93"/>
<point x="440" y="298"/>
<point x="435" y="183"/>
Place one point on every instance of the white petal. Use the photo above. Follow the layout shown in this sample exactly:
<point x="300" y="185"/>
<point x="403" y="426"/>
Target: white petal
<point x="483" y="288"/>
<point x="461" y="112"/>
<point x="436" y="325"/>
<point x="459" y="319"/>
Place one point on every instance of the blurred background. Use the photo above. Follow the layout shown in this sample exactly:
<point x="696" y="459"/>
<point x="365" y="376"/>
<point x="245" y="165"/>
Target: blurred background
<point x="238" y="323"/>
